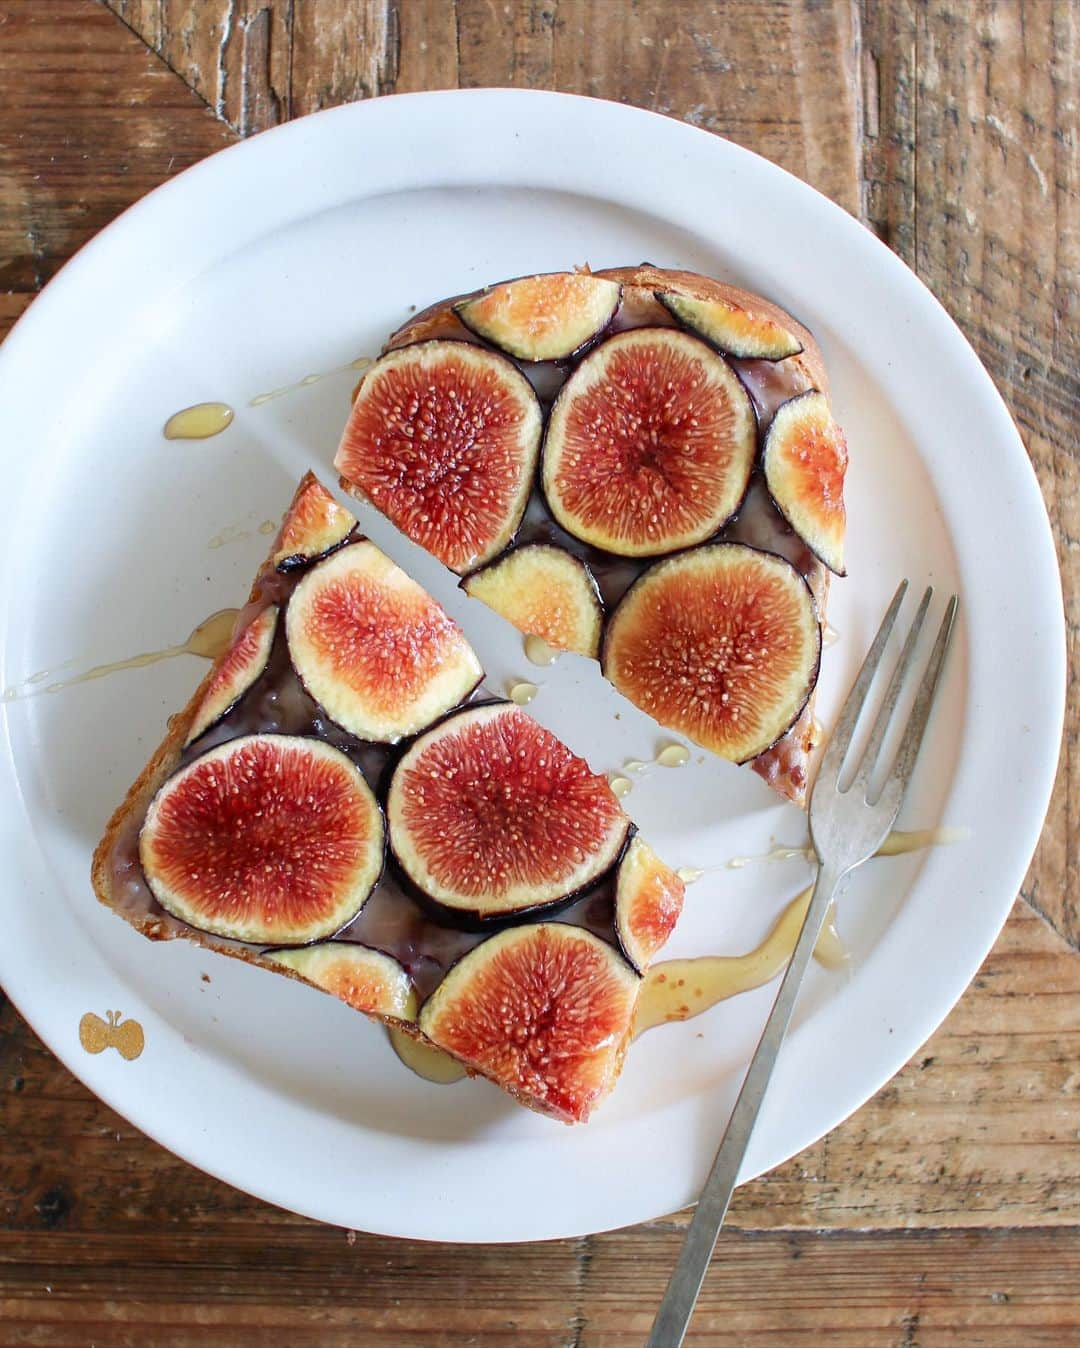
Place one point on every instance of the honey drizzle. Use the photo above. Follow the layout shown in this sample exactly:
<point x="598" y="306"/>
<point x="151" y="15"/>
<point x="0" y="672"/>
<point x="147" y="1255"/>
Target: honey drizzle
<point x="523" y="693"/>
<point x="198" y="422"/>
<point x="209" y="640"/>
<point x="233" y="533"/>
<point x="673" y="756"/>
<point x="676" y="990"/>
<point x="538" y="651"/>
<point x="361" y="363"/>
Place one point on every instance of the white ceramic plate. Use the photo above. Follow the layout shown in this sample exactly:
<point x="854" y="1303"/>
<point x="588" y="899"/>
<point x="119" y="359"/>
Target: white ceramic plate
<point x="296" y="252"/>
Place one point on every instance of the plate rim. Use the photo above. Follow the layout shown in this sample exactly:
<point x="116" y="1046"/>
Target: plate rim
<point x="518" y="106"/>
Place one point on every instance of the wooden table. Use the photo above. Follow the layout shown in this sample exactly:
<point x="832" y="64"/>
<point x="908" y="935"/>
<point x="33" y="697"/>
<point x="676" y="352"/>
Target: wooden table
<point x="947" y="1210"/>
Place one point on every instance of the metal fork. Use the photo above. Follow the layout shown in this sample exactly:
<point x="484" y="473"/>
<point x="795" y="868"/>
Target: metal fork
<point x="847" y="826"/>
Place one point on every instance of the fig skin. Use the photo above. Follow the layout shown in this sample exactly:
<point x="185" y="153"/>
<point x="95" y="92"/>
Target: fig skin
<point x="240" y="669"/>
<point x="675" y="489"/>
<point x="515" y="586"/>
<point x="382" y="454"/>
<point x="545" y="1011"/>
<point x="692" y="314"/>
<point x="648" y="900"/>
<point x="809" y="413"/>
<point x="525" y="345"/>
<point x="664" y="570"/>
<point x="206" y="858"/>
<point x="496" y="732"/>
<point x="380" y="656"/>
<point x="314" y="526"/>
<point x="365" y="979"/>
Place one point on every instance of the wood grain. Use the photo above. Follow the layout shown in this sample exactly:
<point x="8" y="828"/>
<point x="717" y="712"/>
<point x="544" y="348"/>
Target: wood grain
<point x="972" y="178"/>
<point x="950" y="126"/>
<point x="74" y="152"/>
<point x="786" y="83"/>
<point x="995" y="1289"/>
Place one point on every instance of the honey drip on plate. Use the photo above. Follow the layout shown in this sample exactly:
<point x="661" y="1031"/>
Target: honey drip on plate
<point x="523" y="693"/>
<point x="199" y="422"/>
<point x="898" y="842"/>
<point x="424" y="1059"/>
<point x="361" y="363"/>
<point x="673" y="756"/>
<point x="233" y="533"/>
<point x="829" y="635"/>
<point x="538" y="651"/>
<point x="621" y="786"/>
<point x="209" y="640"/>
<point x="678" y="989"/>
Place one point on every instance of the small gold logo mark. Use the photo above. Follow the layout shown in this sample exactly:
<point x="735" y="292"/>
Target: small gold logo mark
<point x="96" y="1035"/>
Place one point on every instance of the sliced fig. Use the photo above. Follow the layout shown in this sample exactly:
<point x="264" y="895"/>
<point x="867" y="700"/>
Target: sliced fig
<point x="542" y="1010"/>
<point x="648" y="900"/>
<point x="268" y="838"/>
<point x="365" y="979"/>
<point x="314" y="526"/>
<point x="650" y="444"/>
<point x="805" y="460"/>
<point x="490" y="814"/>
<point x="443" y="438"/>
<point x="374" y="649"/>
<point x="544" y="592"/>
<point x="731" y="328"/>
<point x="243" y="664"/>
<point x="546" y="317"/>
<point x="721" y="644"/>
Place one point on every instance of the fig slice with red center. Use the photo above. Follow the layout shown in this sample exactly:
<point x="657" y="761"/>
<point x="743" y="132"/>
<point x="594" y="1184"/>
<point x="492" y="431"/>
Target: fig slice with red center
<point x="546" y="317"/>
<point x="268" y="838"/>
<point x="721" y="643"/>
<point x="241" y="667"/>
<point x="490" y="814"/>
<point x="374" y="649"/>
<point x="731" y="328"/>
<point x="314" y="526"/>
<point x="544" y="592"/>
<point x="542" y="1010"/>
<point x="648" y="900"/>
<point x="365" y="979"/>
<point x="443" y="438"/>
<point x="805" y="460"/>
<point x="650" y="444"/>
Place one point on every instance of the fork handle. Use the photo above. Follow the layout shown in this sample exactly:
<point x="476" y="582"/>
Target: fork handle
<point x="689" y="1273"/>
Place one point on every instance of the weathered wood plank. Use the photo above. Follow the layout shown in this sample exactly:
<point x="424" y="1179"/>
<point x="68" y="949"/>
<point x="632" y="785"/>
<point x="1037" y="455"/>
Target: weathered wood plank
<point x="258" y="64"/>
<point x="973" y="178"/>
<point x="995" y="1289"/>
<point x="75" y="152"/>
<point x="980" y="1129"/>
<point x="968" y="109"/>
<point x="779" y="76"/>
<point x="854" y="1290"/>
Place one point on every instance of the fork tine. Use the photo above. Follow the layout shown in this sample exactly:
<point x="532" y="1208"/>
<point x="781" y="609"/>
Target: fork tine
<point x="897" y="780"/>
<point x="836" y="751"/>
<point x="888" y="706"/>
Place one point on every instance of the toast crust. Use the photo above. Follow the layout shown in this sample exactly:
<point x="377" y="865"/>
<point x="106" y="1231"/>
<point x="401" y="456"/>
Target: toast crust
<point x="639" y="285"/>
<point x="127" y="817"/>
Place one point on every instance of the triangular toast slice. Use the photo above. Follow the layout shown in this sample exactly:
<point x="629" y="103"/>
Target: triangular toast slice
<point x="640" y="465"/>
<point x="342" y="802"/>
